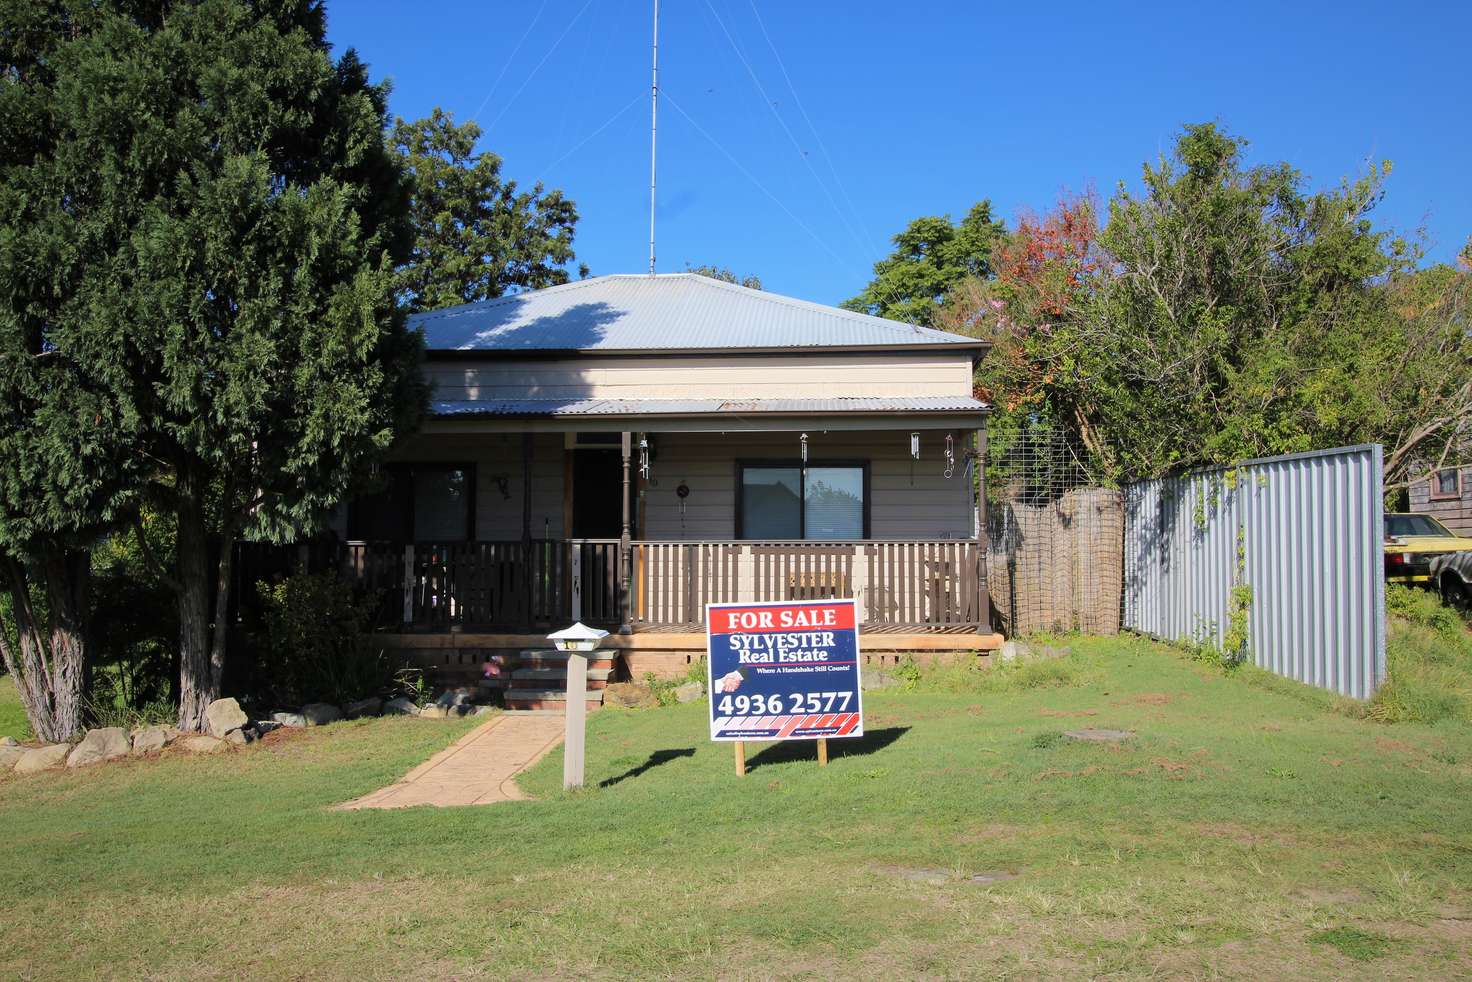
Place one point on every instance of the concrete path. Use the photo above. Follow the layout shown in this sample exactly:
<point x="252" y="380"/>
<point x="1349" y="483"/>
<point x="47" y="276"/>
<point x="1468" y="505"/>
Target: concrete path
<point x="477" y="769"/>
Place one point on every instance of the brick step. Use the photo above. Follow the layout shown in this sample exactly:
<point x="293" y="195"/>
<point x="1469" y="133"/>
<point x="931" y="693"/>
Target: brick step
<point x="545" y="706"/>
<point x="548" y="654"/>
<point x="553" y="657"/>
<point x="555" y="663"/>
<point x="559" y="674"/>
<point x="539" y="679"/>
<point x="541" y="692"/>
<point x="552" y="699"/>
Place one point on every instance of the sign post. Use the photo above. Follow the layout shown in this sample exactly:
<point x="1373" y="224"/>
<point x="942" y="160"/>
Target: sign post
<point x="576" y="642"/>
<point x="783" y="670"/>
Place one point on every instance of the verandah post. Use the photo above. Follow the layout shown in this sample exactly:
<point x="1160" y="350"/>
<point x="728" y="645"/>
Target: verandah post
<point x="527" y="565"/>
<point x="625" y="546"/>
<point x="409" y="583"/>
<point x="577" y="581"/>
<point x="983" y="595"/>
<point x="526" y="488"/>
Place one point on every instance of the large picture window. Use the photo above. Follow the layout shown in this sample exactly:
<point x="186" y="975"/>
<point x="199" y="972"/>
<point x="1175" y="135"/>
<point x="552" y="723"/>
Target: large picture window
<point x="417" y="503"/>
<point x="781" y="499"/>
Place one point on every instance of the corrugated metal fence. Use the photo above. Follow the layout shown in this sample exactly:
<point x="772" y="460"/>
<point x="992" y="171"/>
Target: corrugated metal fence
<point x="1294" y="542"/>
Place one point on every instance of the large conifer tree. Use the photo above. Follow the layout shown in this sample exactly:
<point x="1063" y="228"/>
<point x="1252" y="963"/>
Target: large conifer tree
<point x="237" y="217"/>
<point x="67" y="470"/>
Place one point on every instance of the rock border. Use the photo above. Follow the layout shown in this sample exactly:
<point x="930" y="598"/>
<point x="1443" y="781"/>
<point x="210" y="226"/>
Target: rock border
<point x="227" y="725"/>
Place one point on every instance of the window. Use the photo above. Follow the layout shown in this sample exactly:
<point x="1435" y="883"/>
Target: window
<point x="771" y="503"/>
<point x="418" y="503"/>
<point x="785" y="500"/>
<point x="1446" y="483"/>
<point x="1410" y="526"/>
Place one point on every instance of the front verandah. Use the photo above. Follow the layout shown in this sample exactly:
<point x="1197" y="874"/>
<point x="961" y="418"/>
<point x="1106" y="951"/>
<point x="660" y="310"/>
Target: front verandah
<point x="906" y="586"/>
<point x="638" y="529"/>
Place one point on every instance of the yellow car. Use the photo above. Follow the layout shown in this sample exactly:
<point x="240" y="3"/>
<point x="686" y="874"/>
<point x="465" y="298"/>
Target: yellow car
<point x="1412" y="542"/>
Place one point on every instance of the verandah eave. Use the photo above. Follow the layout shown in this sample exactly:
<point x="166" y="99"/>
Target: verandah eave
<point x="724" y="423"/>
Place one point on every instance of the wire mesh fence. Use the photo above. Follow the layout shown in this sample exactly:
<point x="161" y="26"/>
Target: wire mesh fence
<point x="1055" y="535"/>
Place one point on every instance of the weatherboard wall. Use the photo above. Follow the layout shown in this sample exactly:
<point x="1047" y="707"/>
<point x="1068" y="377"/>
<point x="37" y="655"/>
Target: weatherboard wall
<point x="907" y="499"/>
<point x="797" y="375"/>
<point x="1453" y="511"/>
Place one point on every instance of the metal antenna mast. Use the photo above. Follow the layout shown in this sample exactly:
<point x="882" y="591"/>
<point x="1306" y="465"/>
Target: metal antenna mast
<point x="653" y="128"/>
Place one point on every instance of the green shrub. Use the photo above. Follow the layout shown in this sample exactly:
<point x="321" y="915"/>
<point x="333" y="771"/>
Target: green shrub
<point x="1425" y="609"/>
<point x="663" y="689"/>
<point x="1428" y="661"/>
<point x="108" y="711"/>
<point x="908" y="672"/>
<point x="313" y="645"/>
<point x="697" y="672"/>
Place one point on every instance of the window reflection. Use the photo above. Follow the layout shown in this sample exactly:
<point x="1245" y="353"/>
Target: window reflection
<point x="790" y="502"/>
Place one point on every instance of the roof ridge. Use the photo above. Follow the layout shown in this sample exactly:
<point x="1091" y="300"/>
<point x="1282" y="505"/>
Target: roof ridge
<point x="899" y="327"/>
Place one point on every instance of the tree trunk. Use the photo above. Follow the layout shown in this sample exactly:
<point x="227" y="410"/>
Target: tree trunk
<point x="198" y="682"/>
<point x="221" y="636"/>
<point x="68" y="576"/>
<point x="49" y="666"/>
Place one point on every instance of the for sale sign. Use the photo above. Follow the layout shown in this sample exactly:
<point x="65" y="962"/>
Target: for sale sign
<point x="784" y="671"/>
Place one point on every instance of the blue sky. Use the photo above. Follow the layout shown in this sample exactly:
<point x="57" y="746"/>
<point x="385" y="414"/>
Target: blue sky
<point x="919" y="108"/>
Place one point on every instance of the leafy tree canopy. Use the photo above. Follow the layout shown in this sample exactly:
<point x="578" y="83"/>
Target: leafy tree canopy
<point x="931" y="256"/>
<point x="725" y="275"/>
<point x="1223" y="312"/>
<point x="476" y="236"/>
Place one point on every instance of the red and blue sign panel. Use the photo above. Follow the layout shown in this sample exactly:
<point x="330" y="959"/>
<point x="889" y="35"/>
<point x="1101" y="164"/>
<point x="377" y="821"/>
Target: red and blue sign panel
<point x="784" y="670"/>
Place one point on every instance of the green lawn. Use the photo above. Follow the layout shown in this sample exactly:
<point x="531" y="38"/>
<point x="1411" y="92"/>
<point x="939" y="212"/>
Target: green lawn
<point x="12" y="714"/>
<point x="1248" y="830"/>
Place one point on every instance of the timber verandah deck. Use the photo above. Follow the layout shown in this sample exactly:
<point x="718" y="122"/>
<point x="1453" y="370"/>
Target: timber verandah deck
<point x="903" y="587"/>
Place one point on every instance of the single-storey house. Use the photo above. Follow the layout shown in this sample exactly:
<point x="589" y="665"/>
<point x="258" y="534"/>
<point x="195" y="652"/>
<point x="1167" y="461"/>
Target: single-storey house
<point x="1446" y="495"/>
<point x="626" y="449"/>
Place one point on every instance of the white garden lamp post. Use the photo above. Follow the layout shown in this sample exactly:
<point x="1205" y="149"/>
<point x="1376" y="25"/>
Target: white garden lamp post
<point x="576" y="641"/>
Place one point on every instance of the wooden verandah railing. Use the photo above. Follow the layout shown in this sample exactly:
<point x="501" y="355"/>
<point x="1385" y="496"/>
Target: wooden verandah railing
<point x="900" y="585"/>
<point x="932" y="585"/>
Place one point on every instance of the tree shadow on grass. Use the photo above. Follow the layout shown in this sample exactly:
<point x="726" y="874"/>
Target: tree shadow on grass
<point x="790" y="750"/>
<point x="655" y="759"/>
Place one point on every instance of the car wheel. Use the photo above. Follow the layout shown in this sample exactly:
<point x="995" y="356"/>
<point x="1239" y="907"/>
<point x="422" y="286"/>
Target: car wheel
<point x="1454" y="593"/>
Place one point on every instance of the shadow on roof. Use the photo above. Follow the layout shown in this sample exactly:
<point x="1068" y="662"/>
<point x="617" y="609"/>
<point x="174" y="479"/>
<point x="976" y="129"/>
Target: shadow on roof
<point x="579" y="326"/>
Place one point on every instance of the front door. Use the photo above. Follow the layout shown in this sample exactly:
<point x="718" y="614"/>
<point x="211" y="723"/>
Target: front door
<point x="597" y="494"/>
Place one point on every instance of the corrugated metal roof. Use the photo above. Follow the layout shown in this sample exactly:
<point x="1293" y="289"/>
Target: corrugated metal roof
<point x="699" y="407"/>
<point x="671" y="311"/>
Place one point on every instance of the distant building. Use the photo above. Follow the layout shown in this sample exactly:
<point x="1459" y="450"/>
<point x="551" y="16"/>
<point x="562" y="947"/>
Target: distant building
<point x="1446" y="495"/>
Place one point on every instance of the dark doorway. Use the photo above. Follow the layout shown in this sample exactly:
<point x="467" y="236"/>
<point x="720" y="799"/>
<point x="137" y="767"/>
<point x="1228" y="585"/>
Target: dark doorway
<point x="597" y="494"/>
